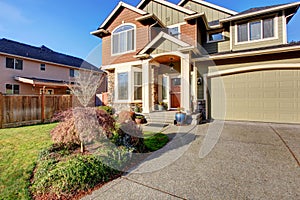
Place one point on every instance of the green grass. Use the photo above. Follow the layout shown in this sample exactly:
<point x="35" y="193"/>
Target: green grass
<point x="19" y="148"/>
<point x="155" y="141"/>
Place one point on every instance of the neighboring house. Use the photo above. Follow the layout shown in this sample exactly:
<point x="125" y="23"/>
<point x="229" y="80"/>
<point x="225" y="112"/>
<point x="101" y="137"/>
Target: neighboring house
<point x="239" y="64"/>
<point x="27" y="70"/>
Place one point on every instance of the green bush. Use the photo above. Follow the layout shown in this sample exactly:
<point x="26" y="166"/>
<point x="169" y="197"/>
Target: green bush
<point x="68" y="174"/>
<point x="108" y="109"/>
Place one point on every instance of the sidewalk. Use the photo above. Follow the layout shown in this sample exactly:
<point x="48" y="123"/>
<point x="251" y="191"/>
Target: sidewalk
<point x="249" y="161"/>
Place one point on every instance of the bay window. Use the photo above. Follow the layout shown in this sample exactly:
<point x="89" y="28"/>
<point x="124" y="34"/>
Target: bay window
<point x="122" y="86"/>
<point x="137" y="85"/>
<point x="256" y="30"/>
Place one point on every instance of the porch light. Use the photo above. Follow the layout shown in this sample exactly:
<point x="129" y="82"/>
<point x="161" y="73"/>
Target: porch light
<point x="171" y="65"/>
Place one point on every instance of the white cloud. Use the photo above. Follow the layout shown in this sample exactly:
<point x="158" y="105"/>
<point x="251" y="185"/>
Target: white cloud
<point x="10" y="13"/>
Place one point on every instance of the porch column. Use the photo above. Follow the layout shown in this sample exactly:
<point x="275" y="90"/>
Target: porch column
<point x="146" y="86"/>
<point x="194" y="87"/>
<point x="185" y="83"/>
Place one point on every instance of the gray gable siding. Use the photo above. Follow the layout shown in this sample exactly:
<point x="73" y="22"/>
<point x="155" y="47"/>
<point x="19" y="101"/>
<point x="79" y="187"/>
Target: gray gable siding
<point x="220" y="46"/>
<point x="167" y="15"/>
<point x="165" y="46"/>
<point x="211" y="13"/>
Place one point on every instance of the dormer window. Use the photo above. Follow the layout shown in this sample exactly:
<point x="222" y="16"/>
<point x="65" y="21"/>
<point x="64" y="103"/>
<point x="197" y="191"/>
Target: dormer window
<point x="256" y="30"/>
<point x="123" y="39"/>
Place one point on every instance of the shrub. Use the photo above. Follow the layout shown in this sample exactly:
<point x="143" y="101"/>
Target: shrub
<point x="125" y="116"/>
<point x="108" y="109"/>
<point x="130" y="136"/>
<point x="66" y="132"/>
<point x="80" y="172"/>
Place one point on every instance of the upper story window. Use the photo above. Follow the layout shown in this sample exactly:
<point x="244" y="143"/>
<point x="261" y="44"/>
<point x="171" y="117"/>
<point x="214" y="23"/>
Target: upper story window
<point x="74" y="73"/>
<point x="43" y="67"/>
<point x="215" y="36"/>
<point x="256" y="30"/>
<point x="14" y="63"/>
<point x="123" y="39"/>
<point x="174" y="31"/>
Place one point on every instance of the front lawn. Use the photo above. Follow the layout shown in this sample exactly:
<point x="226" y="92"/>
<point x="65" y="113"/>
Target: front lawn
<point x="154" y="141"/>
<point x="19" y="148"/>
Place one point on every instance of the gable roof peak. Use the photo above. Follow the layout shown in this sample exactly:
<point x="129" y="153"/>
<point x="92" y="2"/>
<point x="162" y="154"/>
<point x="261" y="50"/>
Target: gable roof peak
<point x="116" y="9"/>
<point x="211" y="5"/>
<point x="169" y="4"/>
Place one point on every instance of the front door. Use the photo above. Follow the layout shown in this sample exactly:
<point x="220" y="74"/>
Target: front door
<point x="175" y="92"/>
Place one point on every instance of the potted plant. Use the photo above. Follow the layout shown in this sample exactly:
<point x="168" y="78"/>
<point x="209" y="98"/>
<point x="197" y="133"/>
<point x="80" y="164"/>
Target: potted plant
<point x="137" y="108"/>
<point x="161" y="106"/>
<point x="139" y="119"/>
<point x="180" y="116"/>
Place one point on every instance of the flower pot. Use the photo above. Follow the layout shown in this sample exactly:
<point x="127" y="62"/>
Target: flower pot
<point x="161" y="108"/>
<point x="180" y="118"/>
<point x="138" y="120"/>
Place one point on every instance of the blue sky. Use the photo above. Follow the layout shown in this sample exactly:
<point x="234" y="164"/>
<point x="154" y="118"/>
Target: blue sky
<point x="65" y="25"/>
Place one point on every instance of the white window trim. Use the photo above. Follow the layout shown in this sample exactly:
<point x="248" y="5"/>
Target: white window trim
<point x="259" y="40"/>
<point x="213" y="41"/>
<point x="134" y="44"/>
<point x="179" y="29"/>
<point x="135" y="69"/>
<point x="117" y="83"/>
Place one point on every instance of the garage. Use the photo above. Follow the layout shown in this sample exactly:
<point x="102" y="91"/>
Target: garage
<point x="260" y="94"/>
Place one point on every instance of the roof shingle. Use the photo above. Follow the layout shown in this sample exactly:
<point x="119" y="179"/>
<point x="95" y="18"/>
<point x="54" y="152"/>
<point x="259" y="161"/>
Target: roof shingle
<point x="43" y="53"/>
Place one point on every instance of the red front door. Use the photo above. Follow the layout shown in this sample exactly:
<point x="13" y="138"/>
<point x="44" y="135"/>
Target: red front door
<point x="175" y="92"/>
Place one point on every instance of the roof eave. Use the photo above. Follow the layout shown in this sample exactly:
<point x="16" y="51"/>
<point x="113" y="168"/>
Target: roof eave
<point x="260" y="12"/>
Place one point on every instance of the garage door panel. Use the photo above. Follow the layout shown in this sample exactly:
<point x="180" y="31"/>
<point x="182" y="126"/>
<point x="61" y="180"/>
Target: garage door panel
<point x="269" y="96"/>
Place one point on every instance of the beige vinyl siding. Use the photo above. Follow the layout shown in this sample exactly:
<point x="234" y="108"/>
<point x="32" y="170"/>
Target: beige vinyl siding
<point x="277" y="59"/>
<point x="211" y="13"/>
<point x="260" y="43"/>
<point x="267" y="96"/>
<point x="167" y="15"/>
<point x="165" y="46"/>
<point x="220" y="46"/>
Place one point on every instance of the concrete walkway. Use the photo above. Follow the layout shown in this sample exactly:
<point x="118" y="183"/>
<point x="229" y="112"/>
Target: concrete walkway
<point x="247" y="161"/>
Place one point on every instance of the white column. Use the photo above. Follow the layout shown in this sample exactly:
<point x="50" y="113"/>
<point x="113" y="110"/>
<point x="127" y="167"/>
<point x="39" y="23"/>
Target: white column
<point x="205" y="94"/>
<point x="146" y="74"/>
<point x="185" y="83"/>
<point x="195" y="86"/>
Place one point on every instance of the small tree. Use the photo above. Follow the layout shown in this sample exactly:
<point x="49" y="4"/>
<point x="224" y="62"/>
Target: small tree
<point x="84" y="87"/>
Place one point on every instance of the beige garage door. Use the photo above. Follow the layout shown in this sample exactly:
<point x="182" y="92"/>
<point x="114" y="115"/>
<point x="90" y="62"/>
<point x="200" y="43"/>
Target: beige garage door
<point x="267" y="96"/>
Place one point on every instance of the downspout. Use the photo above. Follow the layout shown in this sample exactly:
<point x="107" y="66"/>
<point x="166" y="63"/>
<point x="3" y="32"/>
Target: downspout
<point x="150" y="29"/>
<point x="285" y="28"/>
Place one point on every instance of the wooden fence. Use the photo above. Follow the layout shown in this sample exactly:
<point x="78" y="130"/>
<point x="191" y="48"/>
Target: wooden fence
<point x="18" y="110"/>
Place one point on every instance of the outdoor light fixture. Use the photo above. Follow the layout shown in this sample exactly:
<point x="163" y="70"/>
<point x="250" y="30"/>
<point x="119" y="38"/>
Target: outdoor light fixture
<point x="171" y="65"/>
<point x="200" y="81"/>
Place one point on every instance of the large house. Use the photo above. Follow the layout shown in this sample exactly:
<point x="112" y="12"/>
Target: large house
<point x="240" y="66"/>
<point x="28" y="70"/>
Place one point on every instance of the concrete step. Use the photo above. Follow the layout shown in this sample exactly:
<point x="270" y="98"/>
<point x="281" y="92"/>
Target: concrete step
<point x="161" y="117"/>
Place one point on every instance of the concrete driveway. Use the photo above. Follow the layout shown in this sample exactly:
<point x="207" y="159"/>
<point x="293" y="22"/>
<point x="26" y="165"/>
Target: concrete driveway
<point x="248" y="161"/>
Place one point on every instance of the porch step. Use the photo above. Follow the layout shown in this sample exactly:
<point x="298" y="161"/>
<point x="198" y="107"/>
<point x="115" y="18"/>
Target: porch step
<point x="167" y="117"/>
